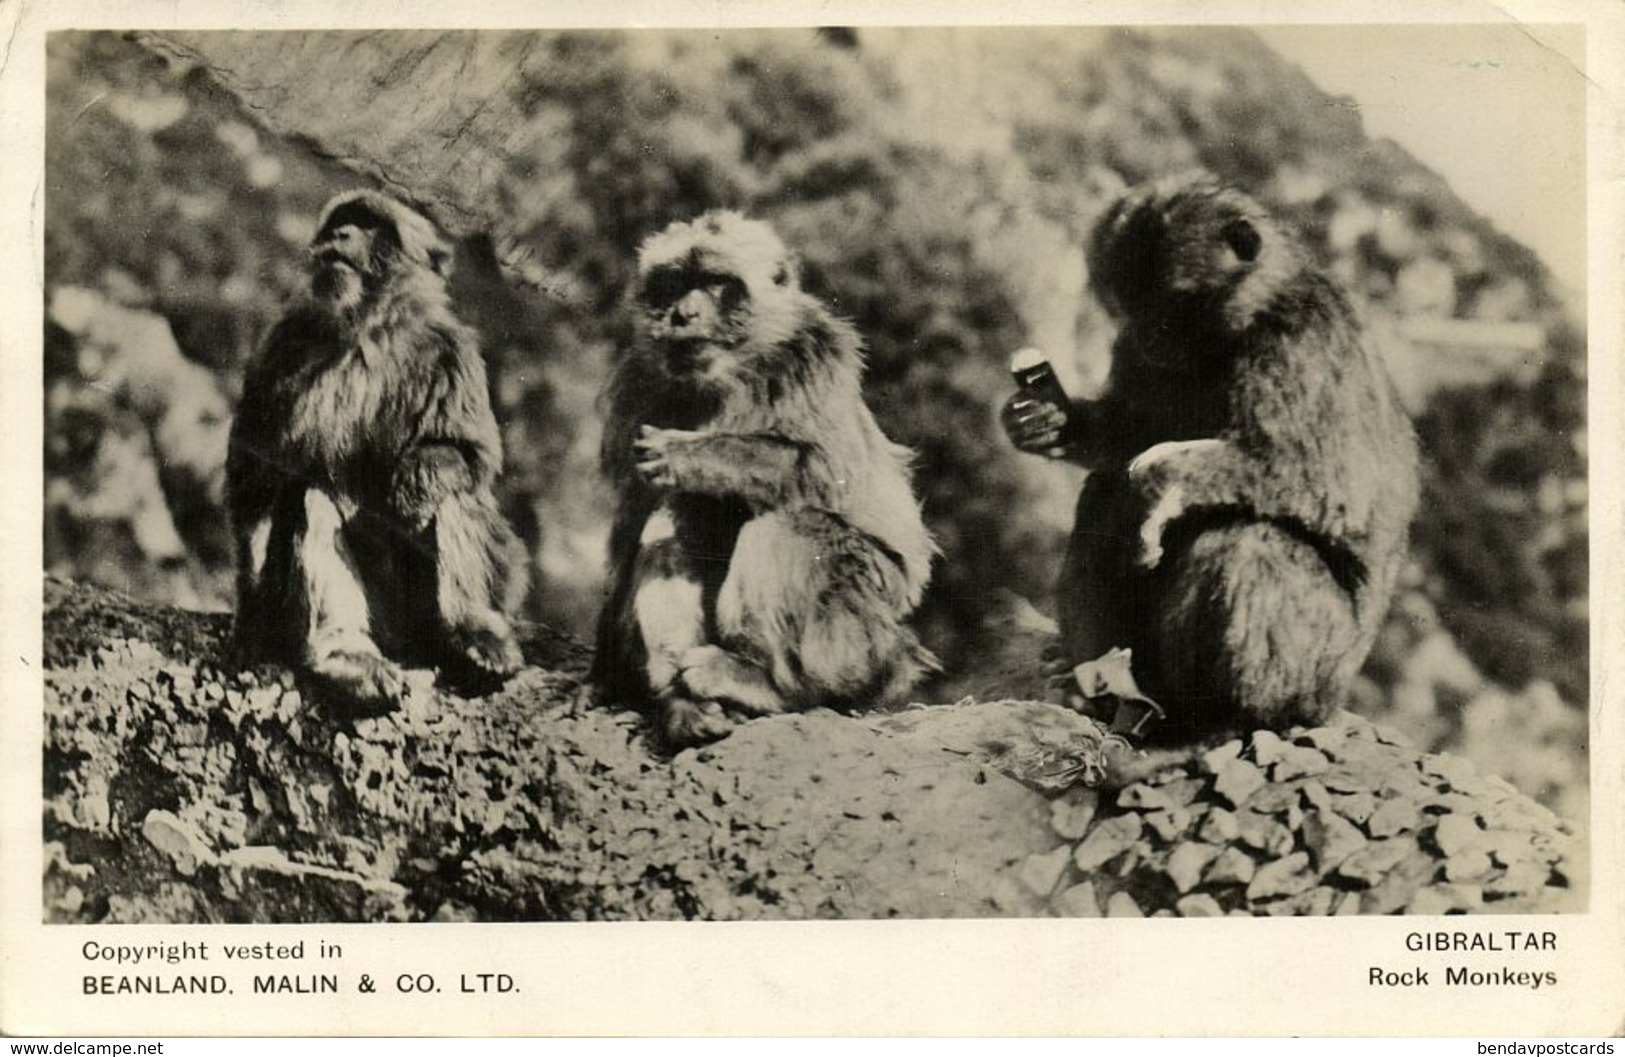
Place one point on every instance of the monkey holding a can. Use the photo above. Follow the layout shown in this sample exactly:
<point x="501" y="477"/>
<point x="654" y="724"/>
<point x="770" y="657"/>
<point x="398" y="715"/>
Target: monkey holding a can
<point x="1252" y="474"/>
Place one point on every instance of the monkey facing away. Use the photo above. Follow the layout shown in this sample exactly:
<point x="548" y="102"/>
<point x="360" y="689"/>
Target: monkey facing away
<point x="767" y="545"/>
<point x="360" y="469"/>
<point x="1252" y="475"/>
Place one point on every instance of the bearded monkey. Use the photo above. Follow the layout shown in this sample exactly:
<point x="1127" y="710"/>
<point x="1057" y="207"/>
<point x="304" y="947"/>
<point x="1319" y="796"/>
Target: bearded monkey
<point x="360" y="470"/>
<point x="767" y="545"/>
<point x="1252" y="475"/>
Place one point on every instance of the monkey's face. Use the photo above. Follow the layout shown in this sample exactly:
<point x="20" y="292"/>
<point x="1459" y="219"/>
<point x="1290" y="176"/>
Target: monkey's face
<point x="696" y="318"/>
<point x="1209" y="246"/>
<point x="351" y="254"/>
<point x="365" y="241"/>
<point x="1175" y="255"/>
<point x="715" y="295"/>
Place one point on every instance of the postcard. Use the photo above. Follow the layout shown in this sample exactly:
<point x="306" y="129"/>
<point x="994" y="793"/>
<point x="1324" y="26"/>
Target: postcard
<point x="812" y="520"/>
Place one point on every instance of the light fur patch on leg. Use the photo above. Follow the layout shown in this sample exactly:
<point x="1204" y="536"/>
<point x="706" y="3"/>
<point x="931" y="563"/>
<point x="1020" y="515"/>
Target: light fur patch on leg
<point x="339" y="648"/>
<point x="259" y="545"/>
<point x="671" y="618"/>
<point x="336" y="601"/>
<point x="660" y="526"/>
<point x="463" y="570"/>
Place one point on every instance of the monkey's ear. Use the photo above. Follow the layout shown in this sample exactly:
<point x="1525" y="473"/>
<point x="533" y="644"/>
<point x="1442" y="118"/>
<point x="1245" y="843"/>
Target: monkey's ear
<point x="420" y="240"/>
<point x="788" y="273"/>
<point x="1243" y="239"/>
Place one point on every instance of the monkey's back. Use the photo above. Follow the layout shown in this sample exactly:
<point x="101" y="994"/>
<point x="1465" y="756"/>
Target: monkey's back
<point x="1313" y="403"/>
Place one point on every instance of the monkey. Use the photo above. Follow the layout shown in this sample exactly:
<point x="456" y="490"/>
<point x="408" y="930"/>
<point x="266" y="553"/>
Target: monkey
<point x="767" y="545"/>
<point x="1252" y="477"/>
<point x="359" y="473"/>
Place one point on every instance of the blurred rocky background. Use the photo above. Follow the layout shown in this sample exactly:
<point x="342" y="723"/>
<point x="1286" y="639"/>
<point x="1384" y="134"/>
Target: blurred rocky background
<point x="938" y="184"/>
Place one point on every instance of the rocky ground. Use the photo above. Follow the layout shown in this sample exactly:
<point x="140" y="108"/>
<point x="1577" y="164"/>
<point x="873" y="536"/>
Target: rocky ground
<point x="179" y="790"/>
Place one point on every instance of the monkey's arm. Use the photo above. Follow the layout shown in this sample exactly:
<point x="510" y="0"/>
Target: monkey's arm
<point x="765" y="470"/>
<point x="262" y="490"/>
<point x="1176" y="477"/>
<point x="256" y="480"/>
<point x="265" y="461"/>
<point x="456" y="448"/>
<point x="432" y="469"/>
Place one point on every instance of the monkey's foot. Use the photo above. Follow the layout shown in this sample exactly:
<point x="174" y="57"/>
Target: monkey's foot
<point x="1110" y="673"/>
<point x="683" y="722"/>
<point x="1109" y="691"/>
<point x="1061" y="690"/>
<point x="365" y="680"/>
<point x="481" y="655"/>
<point x="711" y="673"/>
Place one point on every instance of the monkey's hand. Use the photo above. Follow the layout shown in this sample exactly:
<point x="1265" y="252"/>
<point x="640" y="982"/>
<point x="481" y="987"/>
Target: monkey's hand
<point x="1161" y="474"/>
<point x="1034" y="426"/>
<point x="425" y="475"/>
<point x="658" y="452"/>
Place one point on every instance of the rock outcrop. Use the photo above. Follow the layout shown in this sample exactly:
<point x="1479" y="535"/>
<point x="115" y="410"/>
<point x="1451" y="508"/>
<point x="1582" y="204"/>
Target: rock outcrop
<point x="177" y="789"/>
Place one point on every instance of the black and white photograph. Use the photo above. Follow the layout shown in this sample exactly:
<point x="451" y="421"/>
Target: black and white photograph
<point x="812" y="473"/>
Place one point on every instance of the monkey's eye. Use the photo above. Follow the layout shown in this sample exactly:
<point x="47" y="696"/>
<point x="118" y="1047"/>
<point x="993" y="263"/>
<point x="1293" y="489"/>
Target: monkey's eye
<point x="1243" y="240"/>
<point x="663" y="288"/>
<point x="727" y="291"/>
